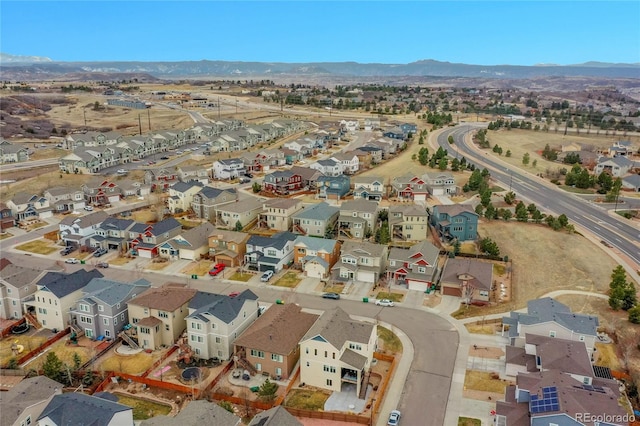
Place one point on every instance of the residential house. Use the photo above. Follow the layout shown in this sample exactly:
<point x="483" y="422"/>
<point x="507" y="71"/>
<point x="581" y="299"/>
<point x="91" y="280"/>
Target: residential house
<point x="197" y="413"/>
<point x="410" y="187"/>
<point x="395" y="133"/>
<point x="158" y="315"/>
<point x="113" y="234"/>
<point x="243" y="212"/>
<point x="408" y="128"/>
<point x="309" y="176"/>
<point x="270" y="344"/>
<point x="470" y="279"/>
<point x="100" y="192"/>
<point x="102" y="309"/>
<point x="228" y="247"/>
<point x="368" y="188"/>
<point x="315" y="256"/>
<point x="193" y="173"/>
<point x="277" y="213"/>
<point x="316" y="219"/>
<point x="415" y="267"/>
<point x="360" y="261"/>
<point x="455" y="222"/>
<point x="408" y="222"/>
<point x="6" y="217"/>
<point x="13" y="153"/>
<point x="291" y="156"/>
<point x="269" y="253"/>
<point x="365" y="158"/>
<point x="440" y="183"/>
<point x="205" y="202"/>
<point x="616" y="166"/>
<point x="618" y="149"/>
<point x="328" y="167"/>
<point x="357" y="218"/>
<point x="338" y="350"/>
<point x="282" y="182"/>
<point x="160" y="178"/>
<point x="23" y="403"/>
<point x="548" y="317"/>
<point x="228" y="169"/>
<point x="333" y="187"/>
<point x="276" y="416"/>
<point x="181" y="195"/>
<point x="146" y="238"/>
<point x="77" y="408"/>
<point x="631" y="182"/>
<point x="215" y="321"/>
<point x="376" y="154"/>
<point x="17" y="284"/>
<point x="25" y="207"/>
<point x="56" y="294"/>
<point x="349" y="161"/>
<point x="189" y="245"/>
<point x="556" y="397"/>
<point x="64" y="199"/>
<point x="350" y="125"/>
<point x="76" y="231"/>
<point x="87" y="139"/>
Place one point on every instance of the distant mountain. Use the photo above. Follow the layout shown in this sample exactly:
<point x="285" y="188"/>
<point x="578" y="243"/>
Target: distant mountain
<point x="46" y="69"/>
<point x="6" y="58"/>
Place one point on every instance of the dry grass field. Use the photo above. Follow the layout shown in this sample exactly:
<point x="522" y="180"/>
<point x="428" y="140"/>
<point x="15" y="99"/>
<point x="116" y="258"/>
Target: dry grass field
<point x="42" y="181"/>
<point x="38" y="247"/>
<point x="130" y="364"/>
<point x="200" y="267"/>
<point x="484" y="381"/>
<point x="28" y="343"/>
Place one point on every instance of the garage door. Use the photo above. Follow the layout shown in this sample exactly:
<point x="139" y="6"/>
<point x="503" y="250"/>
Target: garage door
<point x="264" y="268"/>
<point x="452" y="291"/>
<point x="225" y="261"/>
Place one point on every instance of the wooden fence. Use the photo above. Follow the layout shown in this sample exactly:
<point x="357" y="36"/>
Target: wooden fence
<point x="382" y="388"/>
<point x="242" y="401"/>
<point x="7" y="330"/>
<point x="43" y="346"/>
<point x="219" y="377"/>
<point x="7" y="372"/>
<point x="329" y="415"/>
<point x="160" y="361"/>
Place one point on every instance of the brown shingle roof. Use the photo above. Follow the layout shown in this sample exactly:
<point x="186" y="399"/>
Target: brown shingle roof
<point x="278" y="330"/>
<point x="149" y="321"/>
<point x="164" y="298"/>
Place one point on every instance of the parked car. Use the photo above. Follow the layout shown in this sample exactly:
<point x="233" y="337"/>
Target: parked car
<point x="384" y="302"/>
<point x="219" y="267"/>
<point x="244" y="180"/>
<point x="102" y="265"/>
<point x="394" y="418"/>
<point x="72" y="260"/>
<point x="249" y="175"/>
<point x="335" y="296"/>
<point x="88" y="208"/>
<point x="164" y="158"/>
<point x="65" y="251"/>
<point x="266" y="276"/>
<point x="122" y="172"/>
<point x="99" y="252"/>
<point x="234" y="294"/>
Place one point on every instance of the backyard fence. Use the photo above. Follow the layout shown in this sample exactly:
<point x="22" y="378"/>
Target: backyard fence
<point x="7" y="330"/>
<point x="329" y="415"/>
<point x="382" y="388"/>
<point x="42" y="347"/>
<point x="160" y="361"/>
<point x="7" y="372"/>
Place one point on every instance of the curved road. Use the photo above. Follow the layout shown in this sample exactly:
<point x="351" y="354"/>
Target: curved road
<point x="593" y="218"/>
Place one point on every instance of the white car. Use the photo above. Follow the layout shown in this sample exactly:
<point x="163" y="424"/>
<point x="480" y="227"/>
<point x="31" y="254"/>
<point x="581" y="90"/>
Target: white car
<point x="384" y="302"/>
<point x="266" y="276"/>
<point x="72" y="260"/>
<point x="88" y="208"/>
<point x="122" y="172"/>
<point x="394" y="418"/>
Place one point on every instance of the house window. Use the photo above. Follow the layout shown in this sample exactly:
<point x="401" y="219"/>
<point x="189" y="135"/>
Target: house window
<point x="306" y="350"/>
<point x="200" y="339"/>
<point x="329" y="368"/>
<point x="145" y="330"/>
<point x="276" y="357"/>
<point x="135" y="320"/>
<point x="257" y="354"/>
<point x="581" y="338"/>
<point x="552" y="334"/>
<point x="166" y="327"/>
<point x="315" y="352"/>
<point x="422" y="269"/>
<point x="100" y="308"/>
<point x="121" y="315"/>
<point x="196" y="325"/>
<point x="83" y="307"/>
<point x="86" y="320"/>
<point x="329" y="382"/>
<point x="326" y="354"/>
<point x="163" y="314"/>
<point x="258" y="366"/>
<point x="308" y="364"/>
<point x="105" y="321"/>
<point x="355" y="346"/>
<point x="218" y="340"/>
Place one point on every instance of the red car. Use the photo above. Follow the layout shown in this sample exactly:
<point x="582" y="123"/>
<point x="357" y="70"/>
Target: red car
<point x="219" y="267"/>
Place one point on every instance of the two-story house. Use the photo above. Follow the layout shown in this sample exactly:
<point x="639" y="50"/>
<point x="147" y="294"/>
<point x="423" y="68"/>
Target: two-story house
<point x="333" y="187"/>
<point x="23" y="403"/>
<point x="149" y="236"/>
<point x="455" y="222"/>
<point x="100" y="192"/>
<point x="189" y="245"/>
<point x="415" y="267"/>
<point x="26" y="207"/>
<point x="349" y="161"/>
<point x="368" y="188"/>
<point x="64" y="199"/>
<point x="57" y="293"/>
<point x="309" y="176"/>
<point x="13" y="153"/>
<point x="315" y="256"/>
<point x="337" y="350"/>
<point x="215" y="321"/>
<point x="17" y="284"/>
<point x="76" y="408"/>
<point x="360" y="261"/>
<point x="195" y="413"/>
<point x="102" y="309"/>
<point x="440" y="183"/>
<point x="228" y="247"/>
<point x="158" y="315"/>
<point x="316" y="220"/>
<point x="470" y="279"/>
<point x="270" y="344"/>
<point x="181" y="195"/>
<point x="410" y="187"/>
<point x="408" y="222"/>
<point x="193" y="173"/>
<point x="161" y="178"/>
<point x="282" y="182"/>
<point x="228" y="169"/>
<point x="328" y="167"/>
<point x="77" y="231"/>
<point x="269" y="253"/>
<point x="616" y="166"/>
<point x="357" y="218"/>
<point x="239" y="214"/>
<point x="205" y="202"/>
<point x="277" y="213"/>
<point x="113" y="234"/>
<point x="6" y="217"/>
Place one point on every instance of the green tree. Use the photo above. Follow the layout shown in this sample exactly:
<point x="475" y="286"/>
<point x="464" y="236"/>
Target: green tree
<point x="423" y="155"/>
<point x="256" y="187"/>
<point x="534" y="163"/>
<point x="475" y="180"/>
<point x="456" y="247"/>
<point x="227" y="406"/>
<point x="479" y="209"/>
<point x="522" y="214"/>
<point x="612" y="196"/>
<point x="563" y="220"/>
<point x="443" y="163"/>
<point x="53" y="367"/>
<point x="537" y="216"/>
<point x="268" y="390"/>
<point x="12" y="364"/>
<point x="455" y="165"/>
<point x="525" y="159"/>
<point x="508" y="153"/>
<point x="509" y="197"/>
<point x="490" y="212"/>
<point x="634" y="315"/>
<point x="77" y="361"/>
<point x="382" y="234"/>
<point x="238" y="226"/>
<point x="450" y="140"/>
<point x="485" y="198"/>
<point x="487" y="245"/>
<point x="617" y="288"/>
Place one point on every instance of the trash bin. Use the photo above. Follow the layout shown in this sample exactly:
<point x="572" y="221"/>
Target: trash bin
<point x="365" y="299"/>
<point x="279" y="302"/>
<point x="82" y="262"/>
<point x="194" y="276"/>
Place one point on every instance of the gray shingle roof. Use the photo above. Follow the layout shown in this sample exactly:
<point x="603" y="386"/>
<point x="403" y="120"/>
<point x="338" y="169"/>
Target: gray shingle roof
<point x="112" y="292"/>
<point x="221" y="306"/>
<point x="316" y="243"/>
<point x="25" y="394"/>
<point x="19" y="276"/>
<point x="185" y="186"/>
<point x="336" y="327"/>
<point x="353" y="359"/>
<point x="197" y="413"/>
<point x="79" y="409"/>
<point x="277" y="241"/>
<point x="320" y="211"/>
<point x="276" y="416"/>
<point x="62" y="284"/>
<point x="85" y="221"/>
<point x="548" y="309"/>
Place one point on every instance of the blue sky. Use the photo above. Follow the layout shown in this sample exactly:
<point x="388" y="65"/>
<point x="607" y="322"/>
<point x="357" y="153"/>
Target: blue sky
<point x="478" y="32"/>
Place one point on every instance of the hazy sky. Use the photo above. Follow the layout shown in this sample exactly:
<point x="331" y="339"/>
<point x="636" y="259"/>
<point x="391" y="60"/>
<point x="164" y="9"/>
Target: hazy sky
<point x="478" y="32"/>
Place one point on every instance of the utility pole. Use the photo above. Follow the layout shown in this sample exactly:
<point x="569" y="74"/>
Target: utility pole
<point x="139" y="125"/>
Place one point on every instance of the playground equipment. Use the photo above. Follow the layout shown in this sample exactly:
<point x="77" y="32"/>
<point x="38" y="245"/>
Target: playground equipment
<point x="185" y="353"/>
<point x="16" y="348"/>
<point x="73" y="338"/>
<point x="191" y="373"/>
<point x="20" y="328"/>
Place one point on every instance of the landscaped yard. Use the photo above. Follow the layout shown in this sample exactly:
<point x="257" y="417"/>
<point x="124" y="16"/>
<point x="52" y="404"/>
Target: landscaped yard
<point x="390" y="341"/>
<point x="38" y="247"/>
<point x="468" y="421"/>
<point x="5" y="235"/>
<point x="335" y="288"/>
<point x="201" y="267"/>
<point x="156" y="266"/>
<point x="241" y="276"/>
<point x="142" y="408"/>
<point x="28" y="343"/>
<point x="130" y="364"/>
<point x="120" y="260"/>
<point x="396" y="297"/>
<point x="64" y="352"/>
<point x="307" y="399"/>
<point x="290" y="280"/>
<point x="484" y="381"/>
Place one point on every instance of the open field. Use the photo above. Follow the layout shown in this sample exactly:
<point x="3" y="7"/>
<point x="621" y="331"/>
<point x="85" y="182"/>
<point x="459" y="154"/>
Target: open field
<point x="42" y="181"/>
<point x="38" y="247"/>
